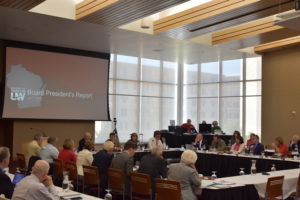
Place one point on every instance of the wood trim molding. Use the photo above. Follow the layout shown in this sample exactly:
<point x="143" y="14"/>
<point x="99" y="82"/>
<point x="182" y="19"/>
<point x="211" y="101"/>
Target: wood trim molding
<point x="272" y="46"/>
<point x="243" y="31"/>
<point x="88" y="7"/>
<point x="197" y="13"/>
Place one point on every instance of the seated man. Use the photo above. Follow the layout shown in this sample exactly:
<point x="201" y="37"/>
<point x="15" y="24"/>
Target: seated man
<point x="188" y="126"/>
<point x="6" y="186"/>
<point x="199" y="142"/>
<point x="34" y="147"/>
<point x="102" y="160"/>
<point x="37" y="186"/>
<point x="49" y="151"/>
<point x="154" y="165"/>
<point x="156" y="141"/>
<point x="124" y="161"/>
<point x="218" y="144"/>
<point x="86" y="137"/>
<point x="216" y="127"/>
<point x="256" y="148"/>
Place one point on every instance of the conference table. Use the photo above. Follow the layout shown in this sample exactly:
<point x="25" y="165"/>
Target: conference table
<point x="247" y="187"/>
<point x="176" y="141"/>
<point x="227" y="165"/>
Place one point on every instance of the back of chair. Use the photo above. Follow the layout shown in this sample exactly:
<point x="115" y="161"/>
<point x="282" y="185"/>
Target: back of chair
<point x="91" y="175"/>
<point x="21" y="160"/>
<point x="167" y="190"/>
<point x="140" y="183"/>
<point x="115" y="179"/>
<point x="58" y="168"/>
<point x="31" y="163"/>
<point x="72" y="169"/>
<point x="274" y="187"/>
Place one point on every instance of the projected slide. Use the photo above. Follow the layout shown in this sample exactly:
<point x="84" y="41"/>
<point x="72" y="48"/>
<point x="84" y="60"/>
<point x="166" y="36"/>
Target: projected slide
<point x="51" y="85"/>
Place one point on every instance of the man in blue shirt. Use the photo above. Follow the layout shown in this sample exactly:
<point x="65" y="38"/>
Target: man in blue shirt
<point x="6" y="186"/>
<point x="49" y="151"/>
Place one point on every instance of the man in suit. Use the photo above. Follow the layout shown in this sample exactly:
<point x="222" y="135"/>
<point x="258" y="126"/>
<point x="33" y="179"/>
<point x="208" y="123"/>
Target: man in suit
<point x="154" y="165"/>
<point x="199" y="142"/>
<point x="86" y="137"/>
<point x="102" y="160"/>
<point x="6" y="186"/>
<point x="124" y="161"/>
<point x="256" y="148"/>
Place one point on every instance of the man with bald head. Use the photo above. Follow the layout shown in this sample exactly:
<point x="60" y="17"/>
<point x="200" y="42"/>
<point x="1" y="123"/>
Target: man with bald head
<point x="86" y="137"/>
<point x="6" y="186"/>
<point x="37" y="186"/>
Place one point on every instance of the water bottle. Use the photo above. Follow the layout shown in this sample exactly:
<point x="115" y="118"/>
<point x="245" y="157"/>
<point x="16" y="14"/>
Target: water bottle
<point x="108" y="196"/>
<point x="65" y="184"/>
<point x="253" y="167"/>
<point x="273" y="168"/>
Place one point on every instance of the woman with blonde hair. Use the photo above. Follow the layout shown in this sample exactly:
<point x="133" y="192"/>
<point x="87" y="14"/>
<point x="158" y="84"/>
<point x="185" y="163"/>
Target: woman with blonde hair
<point x="279" y="146"/>
<point x="186" y="173"/>
<point x="67" y="154"/>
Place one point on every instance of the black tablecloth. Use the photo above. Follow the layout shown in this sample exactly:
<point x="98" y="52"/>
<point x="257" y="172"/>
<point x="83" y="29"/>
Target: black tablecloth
<point x="227" y="165"/>
<point x="247" y="192"/>
<point x="175" y="141"/>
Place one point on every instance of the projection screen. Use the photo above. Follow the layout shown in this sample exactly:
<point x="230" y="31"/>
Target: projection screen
<point x="43" y="82"/>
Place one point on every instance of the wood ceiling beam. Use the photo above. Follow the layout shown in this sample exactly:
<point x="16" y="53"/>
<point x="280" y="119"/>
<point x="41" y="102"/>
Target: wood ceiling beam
<point x="246" y="30"/>
<point x="88" y="7"/>
<point x="197" y="13"/>
<point x="276" y="45"/>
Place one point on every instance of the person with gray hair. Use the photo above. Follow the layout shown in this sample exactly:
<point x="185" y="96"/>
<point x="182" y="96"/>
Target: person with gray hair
<point x="49" y="151"/>
<point x="34" y="147"/>
<point x="102" y="160"/>
<point x="154" y="165"/>
<point x="6" y="186"/>
<point x="37" y="186"/>
<point x="185" y="172"/>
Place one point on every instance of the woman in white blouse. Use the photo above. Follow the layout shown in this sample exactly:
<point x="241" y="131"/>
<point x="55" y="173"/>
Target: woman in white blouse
<point x="85" y="157"/>
<point x="239" y="146"/>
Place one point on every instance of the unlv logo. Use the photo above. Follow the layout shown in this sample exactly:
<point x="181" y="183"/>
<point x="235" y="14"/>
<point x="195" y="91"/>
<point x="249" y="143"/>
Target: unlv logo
<point x="17" y="94"/>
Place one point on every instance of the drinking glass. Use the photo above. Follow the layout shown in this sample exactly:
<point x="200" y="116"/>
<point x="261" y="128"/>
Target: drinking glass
<point x="273" y="168"/>
<point x="214" y="176"/>
<point x="242" y="172"/>
<point x="108" y="196"/>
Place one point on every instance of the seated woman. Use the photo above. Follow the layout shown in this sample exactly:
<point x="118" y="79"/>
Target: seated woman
<point x="279" y="146"/>
<point x="250" y="141"/>
<point x="67" y="154"/>
<point x="113" y="139"/>
<point x="185" y="172"/>
<point x="234" y="135"/>
<point x="294" y="144"/>
<point x="239" y="146"/>
<point x="85" y="157"/>
<point x="134" y="138"/>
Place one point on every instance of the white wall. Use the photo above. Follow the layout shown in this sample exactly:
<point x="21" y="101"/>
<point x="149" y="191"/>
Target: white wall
<point x="58" y="8"/>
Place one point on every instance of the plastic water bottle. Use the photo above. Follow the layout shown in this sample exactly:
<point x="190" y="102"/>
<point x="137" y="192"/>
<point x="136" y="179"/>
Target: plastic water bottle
<point x="253" y="167"/>
<point x="65" y="184"/>
<point x="273" y="168"/>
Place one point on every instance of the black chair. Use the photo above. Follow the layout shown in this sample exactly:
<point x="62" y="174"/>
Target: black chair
<point x="31" y="163"/>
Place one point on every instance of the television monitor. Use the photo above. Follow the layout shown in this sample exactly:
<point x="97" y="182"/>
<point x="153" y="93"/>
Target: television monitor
<point x="46" y="82"/>
<point x="205" y="128"/>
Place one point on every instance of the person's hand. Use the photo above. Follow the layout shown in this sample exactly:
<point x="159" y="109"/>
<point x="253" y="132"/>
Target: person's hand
<point x="163" y="140"/>
<point x="48" y="181"/>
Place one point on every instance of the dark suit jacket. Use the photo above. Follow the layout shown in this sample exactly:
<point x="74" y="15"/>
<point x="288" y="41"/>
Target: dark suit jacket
<point x="102" y="160"/>
<point x="204" y="143"/>
<point x="258" y="149"/>
<point x="124" y="162"/>
<point x="81" y="144"/>
<point x="6" y="186"/>
<point x="155" y="166"/>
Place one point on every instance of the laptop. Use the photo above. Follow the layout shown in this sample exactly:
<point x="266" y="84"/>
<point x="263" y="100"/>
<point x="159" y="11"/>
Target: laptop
<point x="18" y="177"/>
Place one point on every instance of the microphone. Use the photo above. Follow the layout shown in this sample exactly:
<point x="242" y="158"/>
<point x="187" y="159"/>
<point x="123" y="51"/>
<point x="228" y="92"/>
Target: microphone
<point x="39" y="130"/>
